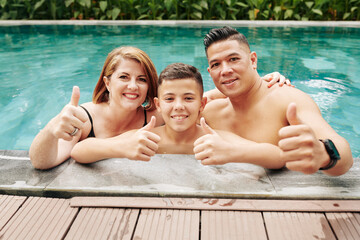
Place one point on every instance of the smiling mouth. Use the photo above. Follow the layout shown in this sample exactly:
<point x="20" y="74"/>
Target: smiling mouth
<point x="130" y="95"/>
<point x="179" y="117"/>
<point x="229" y="81"/>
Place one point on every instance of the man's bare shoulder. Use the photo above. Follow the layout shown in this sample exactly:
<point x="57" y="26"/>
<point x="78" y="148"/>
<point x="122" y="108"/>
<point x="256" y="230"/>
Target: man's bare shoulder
<point x="215" y="105"/>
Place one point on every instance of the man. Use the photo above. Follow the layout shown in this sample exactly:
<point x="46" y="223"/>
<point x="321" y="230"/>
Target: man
<point x="284" y="125"/>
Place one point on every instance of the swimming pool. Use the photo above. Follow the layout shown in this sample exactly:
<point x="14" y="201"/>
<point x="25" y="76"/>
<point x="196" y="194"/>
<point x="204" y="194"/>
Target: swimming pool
<point x="39" y="64"/>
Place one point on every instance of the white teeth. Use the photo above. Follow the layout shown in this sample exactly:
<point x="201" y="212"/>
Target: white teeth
<point x="129" y="95"/>
<point x="179" y="117"/>
<point x="228" y="81"/>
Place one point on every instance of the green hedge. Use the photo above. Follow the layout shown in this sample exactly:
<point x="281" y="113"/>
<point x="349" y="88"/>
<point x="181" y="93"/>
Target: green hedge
<point x="181" y="9"/>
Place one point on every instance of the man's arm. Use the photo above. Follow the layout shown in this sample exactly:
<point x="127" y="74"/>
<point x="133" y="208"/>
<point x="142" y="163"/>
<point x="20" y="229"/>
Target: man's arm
<point x="220" y="147"/>
<point x="300" y="145"/>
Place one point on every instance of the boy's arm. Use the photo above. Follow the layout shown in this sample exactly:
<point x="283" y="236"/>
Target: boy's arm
<point x="220" y="147"/>
<point x="138" y="144"/>
<point x="300" y="141"/>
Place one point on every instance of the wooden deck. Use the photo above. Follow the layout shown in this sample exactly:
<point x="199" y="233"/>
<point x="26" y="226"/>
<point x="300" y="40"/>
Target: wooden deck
<point x="176" y="218"/>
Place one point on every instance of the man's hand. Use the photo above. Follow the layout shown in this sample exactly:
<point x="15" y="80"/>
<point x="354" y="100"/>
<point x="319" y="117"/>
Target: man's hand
<point x="301" y="150"/>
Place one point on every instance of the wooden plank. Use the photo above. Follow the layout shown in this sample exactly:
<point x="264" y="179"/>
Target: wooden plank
<point x="297" y="226"/>
<point x="220" y="204"/>
<point x="215" y="225"/>
<point x="345" y="225"/>
<point x="8" y="207"/>
<point x="167" y="224"/>
<point x="103" y="223"/>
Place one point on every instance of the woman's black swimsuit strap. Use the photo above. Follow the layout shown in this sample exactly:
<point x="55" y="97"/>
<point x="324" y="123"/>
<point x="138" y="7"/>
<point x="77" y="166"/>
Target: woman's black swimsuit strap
<point x="91" y="134"/>
<point x="145" y="122"/>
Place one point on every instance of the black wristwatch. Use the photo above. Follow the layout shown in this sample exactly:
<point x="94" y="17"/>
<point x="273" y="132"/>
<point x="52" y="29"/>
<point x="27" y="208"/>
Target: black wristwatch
<point x="333" y="153"/>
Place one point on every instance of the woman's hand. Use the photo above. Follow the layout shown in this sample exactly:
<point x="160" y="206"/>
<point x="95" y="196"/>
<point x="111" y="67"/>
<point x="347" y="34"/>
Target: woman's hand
<point x="275" y="77"/>
<point x="70" y="120"/>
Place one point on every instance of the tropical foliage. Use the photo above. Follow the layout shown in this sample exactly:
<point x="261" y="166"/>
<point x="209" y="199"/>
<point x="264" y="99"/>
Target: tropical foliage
<point x="182" y="9"/>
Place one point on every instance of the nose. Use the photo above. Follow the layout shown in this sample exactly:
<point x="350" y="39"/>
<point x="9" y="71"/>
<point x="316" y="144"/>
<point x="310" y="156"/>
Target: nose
<point x="226" y="69"/>
<point x="132" y="84"/>
<point x="179" y="105"/>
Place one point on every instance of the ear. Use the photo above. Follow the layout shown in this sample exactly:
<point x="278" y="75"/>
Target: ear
<point x="107" y="82"/>
<point x="157" y="104"/>
<point x="208" y="69"/>
<point x="253" y="58"/>
<point x="203" y="103"/>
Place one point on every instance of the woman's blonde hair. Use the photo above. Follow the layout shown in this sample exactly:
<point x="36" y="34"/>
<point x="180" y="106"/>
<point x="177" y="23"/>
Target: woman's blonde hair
<point x="101" y="94"/>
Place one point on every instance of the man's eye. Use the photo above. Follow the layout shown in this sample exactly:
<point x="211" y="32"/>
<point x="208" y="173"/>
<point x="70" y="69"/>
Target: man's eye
<point x="234" y="59"/>
<point x="214" y="65"/>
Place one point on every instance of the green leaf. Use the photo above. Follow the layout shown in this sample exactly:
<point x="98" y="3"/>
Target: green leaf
<point x="353" y="9"/>
<point x="317" y="11"/>
<point x="196" y="15"/>
<point x="346" y="15"/>
<point x="76" y="14"/>
<point x="168" y="4"/>
<point x="277" y="9"/>
<point x="204" y="4"/>
<point x="251" y="14"/>
<point x="88" y="3"/>
<point x="103" y="5"/>
<point x="3" y="3"/>
<point x="68" y="2"/>
<point x="242" y="4"/>
<point x="288" y="13"/>
<point x="115" y="13"/>
<point x="297" y="17"/>
<point x="82" y="3"/>
<point x="196" y="6"/>
<point x="309" y="4"/>
<point x="144" y="16"/>
<point x="38" y="4"/>
<point x="228" y="2"/>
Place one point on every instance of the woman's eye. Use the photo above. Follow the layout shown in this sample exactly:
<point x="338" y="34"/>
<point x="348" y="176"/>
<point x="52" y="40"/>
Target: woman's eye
<point x="169" y="99"/>
<point x="142" y="79"/>
<point x="123" y="77"/>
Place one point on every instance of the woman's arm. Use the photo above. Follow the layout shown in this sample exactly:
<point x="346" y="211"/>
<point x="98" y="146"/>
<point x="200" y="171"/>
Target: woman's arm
<point x="53" y="144"/>
<point x="138" y="144"/>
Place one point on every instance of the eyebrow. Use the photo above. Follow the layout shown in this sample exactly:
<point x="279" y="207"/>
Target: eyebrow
<point x="230" y="55"/>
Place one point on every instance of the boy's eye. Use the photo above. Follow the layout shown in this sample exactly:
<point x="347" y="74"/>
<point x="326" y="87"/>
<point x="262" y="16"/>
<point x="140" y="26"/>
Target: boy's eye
<point x="168" y="99"/>
<point x="189" y="98"/>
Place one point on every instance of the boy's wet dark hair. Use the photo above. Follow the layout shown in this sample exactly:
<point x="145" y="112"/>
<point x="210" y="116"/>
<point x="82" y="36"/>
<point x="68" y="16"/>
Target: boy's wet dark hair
<point x="224" y="33"/>
<point x="177" y="71"/>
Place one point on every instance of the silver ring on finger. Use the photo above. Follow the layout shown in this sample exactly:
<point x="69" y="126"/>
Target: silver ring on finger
<point x="74" y="132"/>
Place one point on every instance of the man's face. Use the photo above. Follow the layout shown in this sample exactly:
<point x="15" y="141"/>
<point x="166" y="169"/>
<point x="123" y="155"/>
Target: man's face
<point x="231" y="66"/>
<point x="180" y="103"/>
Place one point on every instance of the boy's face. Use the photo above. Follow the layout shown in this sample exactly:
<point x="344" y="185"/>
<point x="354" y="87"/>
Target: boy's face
<point x="180" y="102"/>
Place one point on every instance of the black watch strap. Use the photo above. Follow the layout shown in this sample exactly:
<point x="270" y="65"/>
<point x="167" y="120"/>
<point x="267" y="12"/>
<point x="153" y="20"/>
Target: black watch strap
<point x="333" y="153"/>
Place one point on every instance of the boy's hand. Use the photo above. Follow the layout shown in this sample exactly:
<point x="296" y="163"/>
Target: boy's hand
<point x="301" y="150"/>
<point x="143" y="144"/>
<point x="211" y="148"/>
<point x="70" y="120"/>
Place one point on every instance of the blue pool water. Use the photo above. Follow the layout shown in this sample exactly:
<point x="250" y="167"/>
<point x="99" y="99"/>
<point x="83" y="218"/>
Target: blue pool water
<point x="40" y="64"/>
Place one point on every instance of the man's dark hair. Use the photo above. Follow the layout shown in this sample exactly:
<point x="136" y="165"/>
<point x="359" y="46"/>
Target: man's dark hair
<point x="224" y="33"/>
<point x="181" y="71"/>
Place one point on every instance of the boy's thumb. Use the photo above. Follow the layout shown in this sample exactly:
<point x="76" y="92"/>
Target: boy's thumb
<point x="207" y="129"/>
<point x="75" y="96"/>
<point x="151" y="124"/>
<point x="291" y="115"/>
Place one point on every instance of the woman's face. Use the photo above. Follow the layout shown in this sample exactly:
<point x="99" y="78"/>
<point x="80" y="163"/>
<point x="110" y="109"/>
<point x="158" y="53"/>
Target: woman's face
<point x="128" y="85"/>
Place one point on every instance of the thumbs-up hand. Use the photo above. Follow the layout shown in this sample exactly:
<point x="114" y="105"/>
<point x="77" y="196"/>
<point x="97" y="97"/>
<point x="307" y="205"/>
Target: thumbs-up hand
<point x="211" y="147"/>
<point x="70" y="120"/>
<point x="142" y="144"/>
<point x="301" y="150"/>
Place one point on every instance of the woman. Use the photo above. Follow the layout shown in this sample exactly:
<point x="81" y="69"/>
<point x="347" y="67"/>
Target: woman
<point x="122" y="101"/>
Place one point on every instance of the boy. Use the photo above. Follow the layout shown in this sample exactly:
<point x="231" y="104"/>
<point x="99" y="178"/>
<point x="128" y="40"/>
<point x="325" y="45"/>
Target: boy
<point x="180" y="102"/>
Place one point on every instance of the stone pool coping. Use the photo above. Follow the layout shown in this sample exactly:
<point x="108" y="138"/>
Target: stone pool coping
<point x="188" y="23"/>
<point x="169" y="176"/>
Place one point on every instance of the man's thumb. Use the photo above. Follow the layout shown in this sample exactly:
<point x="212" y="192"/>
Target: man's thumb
<point x="291" y="115"/>
<point x="75" y="96"/>
<point x="151" y="124"/>
<point x="207" y="129"/>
